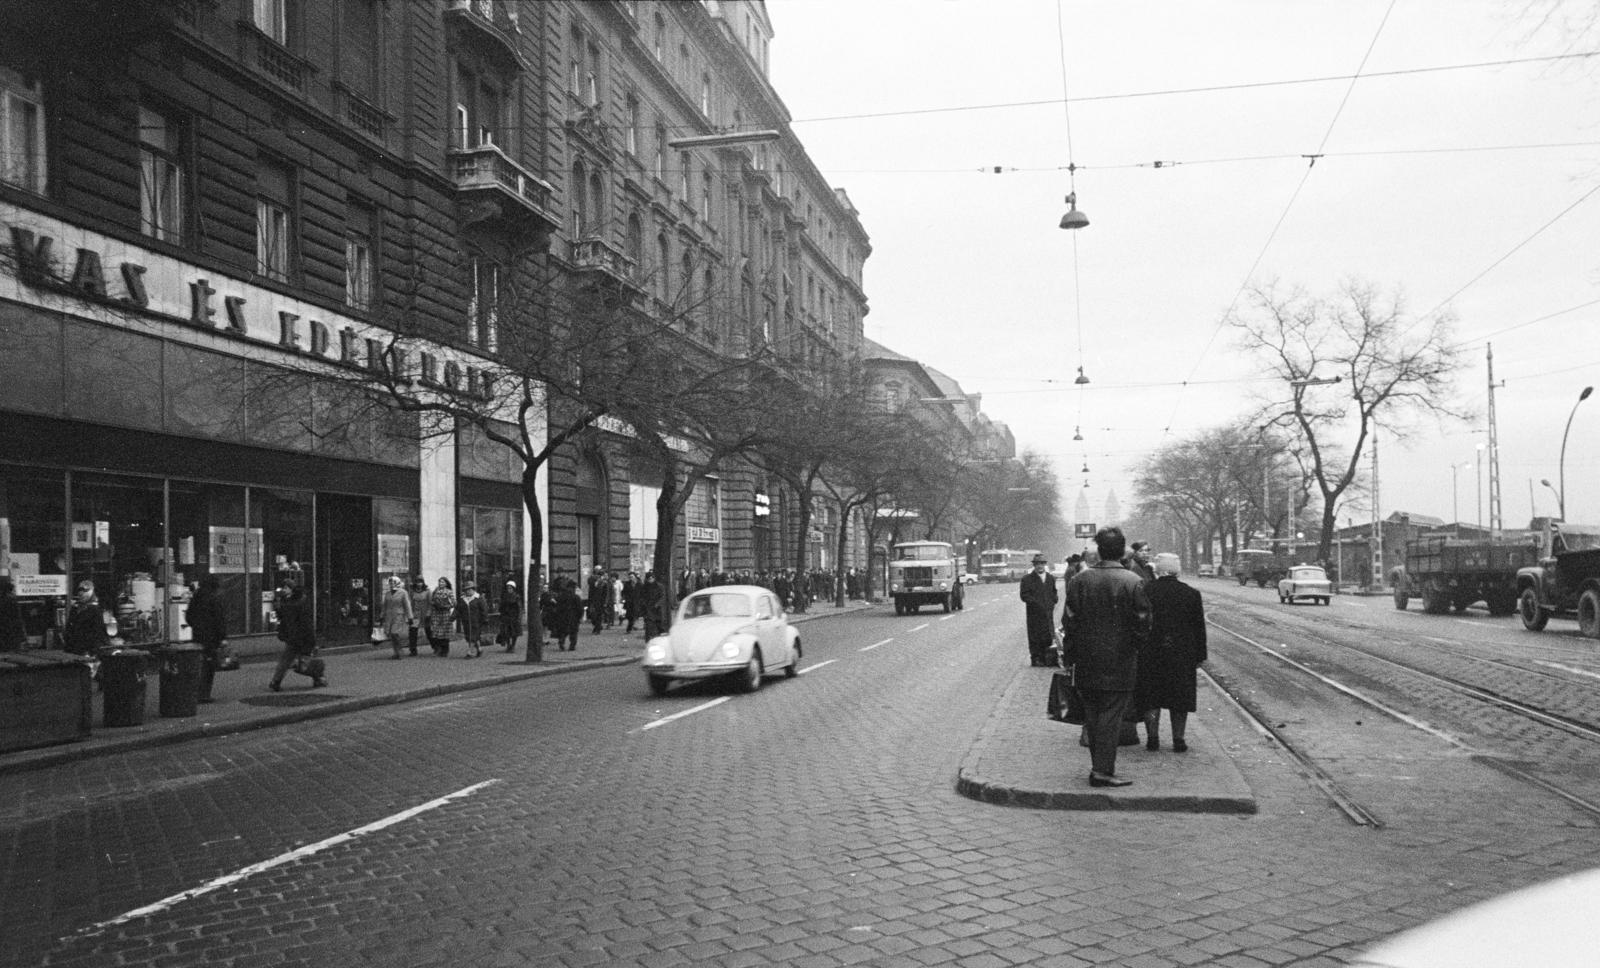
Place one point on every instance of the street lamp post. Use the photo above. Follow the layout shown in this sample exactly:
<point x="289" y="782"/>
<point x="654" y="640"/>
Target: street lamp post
<point x="1480" y="487"/>
<point x="1561" y="495"/>
<point x="1455" y="507"/>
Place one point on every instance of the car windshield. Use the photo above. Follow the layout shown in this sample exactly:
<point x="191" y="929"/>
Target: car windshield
<point x="717" y="604"/>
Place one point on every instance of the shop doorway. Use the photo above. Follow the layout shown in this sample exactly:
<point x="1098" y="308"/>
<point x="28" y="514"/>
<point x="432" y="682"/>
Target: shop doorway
<point x="346" y="573"/>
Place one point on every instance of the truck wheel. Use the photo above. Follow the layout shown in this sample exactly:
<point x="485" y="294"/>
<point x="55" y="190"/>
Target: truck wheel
<point x="1401" y="598"/>
<point x="1534" y="618"/>
<point x="899" y="607"/>
<point x="1244" y="580"/>
<point x="1589" y="614"/>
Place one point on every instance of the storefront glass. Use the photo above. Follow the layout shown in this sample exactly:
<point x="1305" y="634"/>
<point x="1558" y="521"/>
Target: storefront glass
<point x="284" y="521"/>
<point x="345" y="563"/>
<point x="642" y="521"/>
<point x="117" y="539"/>
<point x="491" y="543"/>
<point x="33" y="541"/>
<point x="399" y="527"/>
<point x="209" y="537"/>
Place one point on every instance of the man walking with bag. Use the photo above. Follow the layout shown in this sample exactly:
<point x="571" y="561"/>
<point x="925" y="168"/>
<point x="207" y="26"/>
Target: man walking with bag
<point x="1106" y="620"/>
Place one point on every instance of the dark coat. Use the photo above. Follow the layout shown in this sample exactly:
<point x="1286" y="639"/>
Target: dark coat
<point x="13" y="635"/>
<point x="1177" y="646"/>
<point x="85" y="633"/>
<point x="207" y="619"/>
<point x="1105" y="624"/>
<point x="294" y="625"/>
<point x="569" y="611"/>
<point x="1039" y="595"/>
<point x="472" y="617"/>
<point x="510" y="613"/>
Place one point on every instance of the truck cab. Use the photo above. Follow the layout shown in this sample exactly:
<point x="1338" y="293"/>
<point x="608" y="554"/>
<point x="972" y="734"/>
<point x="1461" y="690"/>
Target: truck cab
<point x="924" y="573"/>
<point x="1565" y="582"/>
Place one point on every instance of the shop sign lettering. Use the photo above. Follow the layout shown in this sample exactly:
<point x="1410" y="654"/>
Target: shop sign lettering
<point x="705" y="535"/>
<point x="231" y="315"/>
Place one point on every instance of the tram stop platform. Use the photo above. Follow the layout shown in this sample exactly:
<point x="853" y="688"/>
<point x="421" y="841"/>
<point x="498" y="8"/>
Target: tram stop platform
<point x="1023" y="759"/>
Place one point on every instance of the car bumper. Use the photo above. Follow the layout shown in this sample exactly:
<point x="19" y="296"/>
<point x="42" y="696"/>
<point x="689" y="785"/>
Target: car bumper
<point x="1311" y="593"/>
<point x="697" y="670"/>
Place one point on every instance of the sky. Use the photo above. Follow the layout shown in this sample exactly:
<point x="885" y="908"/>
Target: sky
<point x="1468" y="189"/>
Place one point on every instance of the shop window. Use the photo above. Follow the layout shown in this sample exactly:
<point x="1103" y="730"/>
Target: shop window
<point x="398" y="527"/>
<point x="22" y="143"/>
<point x="490" y="550"/>
<point x="283" y="521"/>
<point x="162" y="176"/>
<point x="344" y="568"/>
<point x="117" y="539"/>
<point x="33" y="546"/>
<point x="210" y="537"/>
<point x="643" y="520"/>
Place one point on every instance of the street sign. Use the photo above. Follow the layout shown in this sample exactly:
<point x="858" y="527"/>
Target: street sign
<point x="1083" y="530"/>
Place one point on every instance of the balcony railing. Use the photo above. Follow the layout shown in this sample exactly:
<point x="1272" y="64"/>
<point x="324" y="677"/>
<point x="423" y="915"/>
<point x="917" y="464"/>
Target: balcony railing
<point x="485" y="171"/>
<point x="598" y="255"/>
<point x="494" y="21"/>
<point x="273" y="59"/>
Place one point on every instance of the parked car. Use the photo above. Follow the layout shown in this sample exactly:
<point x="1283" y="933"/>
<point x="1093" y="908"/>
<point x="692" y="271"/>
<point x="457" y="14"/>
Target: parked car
<point x="1305" y="581"/>
<point x="738" y="631"/>
<point x="1548" y="924"/>
<point x="968" y="578"/>
<point x="1207" y="570"/>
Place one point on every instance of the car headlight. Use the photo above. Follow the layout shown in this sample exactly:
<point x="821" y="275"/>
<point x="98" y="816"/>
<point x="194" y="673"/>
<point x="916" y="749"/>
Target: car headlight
<point x="944" y="586"/>
<point x="655" y="652"/>
<point x="730" y="650"/>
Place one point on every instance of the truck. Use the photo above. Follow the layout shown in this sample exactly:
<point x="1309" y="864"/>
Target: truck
<point x="1452" y="573"/>
<point x="924" y="573"/>
<point x="1260" y="566"/>
<point x="1563" y="584"/>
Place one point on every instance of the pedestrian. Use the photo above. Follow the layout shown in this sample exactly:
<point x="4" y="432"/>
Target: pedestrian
<point x="208" y="620"/>
<point x="1177" y="647"/>
<point x="547" y="610"/>
<point x="472" y="615"/>
<point x="1106" y="621"/>
<point x="85" y="633"/>
<point x="421" y="604"/>
<point x="651" y="600"/>
<point x="569" y="615"/>
<point x="299" y="638"/>
<point x="630" y="600"/>
<point x="441" y="617"/>
<point x="13" y="635"/>
<point x="1039" y="599"/>
<point x="510" y="617"/>
<point x="613" y="599"/>
<point x="598" y="590"/>
<point x="1138" y="560"/>
<point x="397" y="615"/>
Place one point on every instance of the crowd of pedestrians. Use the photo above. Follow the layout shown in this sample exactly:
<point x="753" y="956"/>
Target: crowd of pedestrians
<point x="1132" y="634"/>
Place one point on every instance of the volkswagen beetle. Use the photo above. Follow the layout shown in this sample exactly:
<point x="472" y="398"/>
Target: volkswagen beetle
<point x="738" y="631"/>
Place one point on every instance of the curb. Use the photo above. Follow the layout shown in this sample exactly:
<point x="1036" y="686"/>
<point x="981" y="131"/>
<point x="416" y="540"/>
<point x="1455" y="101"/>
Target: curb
<point x="68" y="754"/>
<point x="976" y="787"/>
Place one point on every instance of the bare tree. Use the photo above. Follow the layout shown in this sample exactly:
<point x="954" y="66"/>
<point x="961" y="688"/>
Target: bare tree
<point x="1389" y="368"/>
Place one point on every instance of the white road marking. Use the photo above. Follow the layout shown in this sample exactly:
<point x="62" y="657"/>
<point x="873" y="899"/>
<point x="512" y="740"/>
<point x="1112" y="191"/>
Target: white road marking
<point x="1468" y="621"/>
<point x="1572" y="669"/>
<point x="1356" y="604"/>
<point x="874" y="645"/>
<point x="818" y="665"/>
<point x="920" y="627"/>
<point x="950" y="616"/>
<point x="287" y="858"/>
<point x="664" y="720"/>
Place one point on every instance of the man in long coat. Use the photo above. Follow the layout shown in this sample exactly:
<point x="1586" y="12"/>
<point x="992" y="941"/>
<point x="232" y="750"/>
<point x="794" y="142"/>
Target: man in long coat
<point x="1106" y="621"/>
<point x="1039" y="598"/>
<point x="1177" y="648"/>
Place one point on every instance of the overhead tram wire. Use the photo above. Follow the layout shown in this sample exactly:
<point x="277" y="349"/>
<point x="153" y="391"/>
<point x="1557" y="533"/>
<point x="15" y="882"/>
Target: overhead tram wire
<point x="1271" y="236"/>
<point x="1072" y="199"/>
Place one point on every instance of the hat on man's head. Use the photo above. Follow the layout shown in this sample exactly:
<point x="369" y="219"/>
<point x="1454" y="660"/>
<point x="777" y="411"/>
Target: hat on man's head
<point x="1040" y="560"/>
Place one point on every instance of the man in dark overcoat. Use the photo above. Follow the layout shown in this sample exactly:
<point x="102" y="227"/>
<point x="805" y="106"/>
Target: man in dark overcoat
<point x="1039" y="599"/>
<point x="1177" y="647"/>
<point x="1106" y="622"/>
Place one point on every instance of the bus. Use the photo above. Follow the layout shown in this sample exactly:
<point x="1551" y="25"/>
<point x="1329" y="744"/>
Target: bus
<point x="924" y="573"/>
<point x="1004" y="564"/>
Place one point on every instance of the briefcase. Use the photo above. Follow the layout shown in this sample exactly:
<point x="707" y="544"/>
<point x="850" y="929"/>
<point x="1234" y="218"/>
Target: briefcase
<point x="1065" y="705"/>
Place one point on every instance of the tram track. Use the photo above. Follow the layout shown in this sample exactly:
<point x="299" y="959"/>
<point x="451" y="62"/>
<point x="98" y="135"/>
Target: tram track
<point x="1325" y="781"/>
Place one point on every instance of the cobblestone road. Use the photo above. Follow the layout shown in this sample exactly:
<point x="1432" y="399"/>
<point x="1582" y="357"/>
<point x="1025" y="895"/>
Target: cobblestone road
<point x="814" y="823"/>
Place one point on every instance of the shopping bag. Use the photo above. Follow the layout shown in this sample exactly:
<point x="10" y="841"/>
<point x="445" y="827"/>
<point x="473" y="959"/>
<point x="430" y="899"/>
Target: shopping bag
<point x="1065" y="705"/>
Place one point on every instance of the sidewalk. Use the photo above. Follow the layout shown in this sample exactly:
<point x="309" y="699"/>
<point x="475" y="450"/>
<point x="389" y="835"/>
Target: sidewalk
<point x="1022" y="759"/>
<point x="359" y="677"/>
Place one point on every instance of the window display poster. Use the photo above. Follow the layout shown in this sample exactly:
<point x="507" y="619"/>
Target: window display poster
<point x="82" y="534"/>
<point x="227" y="551"/>
<point x="255" y="550"/>
<point x="186" y="550"/>
<point x="394" y="554"/>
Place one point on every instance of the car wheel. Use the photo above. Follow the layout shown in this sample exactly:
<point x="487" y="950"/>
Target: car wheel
<point x="750" y="678"/>
<point x="1589" y="614"/>
<point x="658" y="684"/>
<point x="1326" y="600"/>
<point x="1534" y="618"/>
<point x="793" y="668"/>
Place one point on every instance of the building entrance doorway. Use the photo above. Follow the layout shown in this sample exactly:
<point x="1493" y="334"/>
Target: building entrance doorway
<point x="345" y="582"/>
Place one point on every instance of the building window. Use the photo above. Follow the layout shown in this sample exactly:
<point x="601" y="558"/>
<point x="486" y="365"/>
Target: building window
<point x="161" y="178"/>
<point x="591" y="77"/>
<point x="683" y="176"/>
<point x="278" y="19"/>
<point x="659" y="45"/>
<point x="663" y="266"/>
<point x="274" y="221"/>
<point x="635" y="240"/>
<point x="705" y="195"/>
<point x="660" y="164"/>
<point x="358" y="47"/>
<point x="631" y="136"/>
<point x="705" y="95"/>
<point x="22" y="158"/>
<point x="777" y="178"/>
<point x="480" y="110"/>
<point x="359" y="250"/>
<point x="483" y="309"/>
<point x="580" y="211"/>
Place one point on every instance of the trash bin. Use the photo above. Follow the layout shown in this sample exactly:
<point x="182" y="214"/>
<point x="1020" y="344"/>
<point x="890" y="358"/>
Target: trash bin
<point x="180" y="680"/>
<point x="122" y="680"/>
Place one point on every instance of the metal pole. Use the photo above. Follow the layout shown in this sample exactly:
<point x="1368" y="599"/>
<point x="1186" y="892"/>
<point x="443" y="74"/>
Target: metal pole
<point x="1561" y="468"/>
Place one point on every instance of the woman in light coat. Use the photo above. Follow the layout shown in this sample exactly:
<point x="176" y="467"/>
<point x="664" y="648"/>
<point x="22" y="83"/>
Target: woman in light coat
<point x="397" y="614"/>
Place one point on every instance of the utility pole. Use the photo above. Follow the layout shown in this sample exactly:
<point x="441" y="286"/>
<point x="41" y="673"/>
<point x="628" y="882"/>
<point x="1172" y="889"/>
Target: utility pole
<point x="1377" y="519"/>
<point x="1495" y="523"/>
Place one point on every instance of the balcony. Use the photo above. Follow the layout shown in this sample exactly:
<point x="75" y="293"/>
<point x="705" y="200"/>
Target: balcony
<point x="600" y="262"/>
<point x="494" y="191"/>
<point x="272" y="59"/>
<point x="488" y="24"/>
